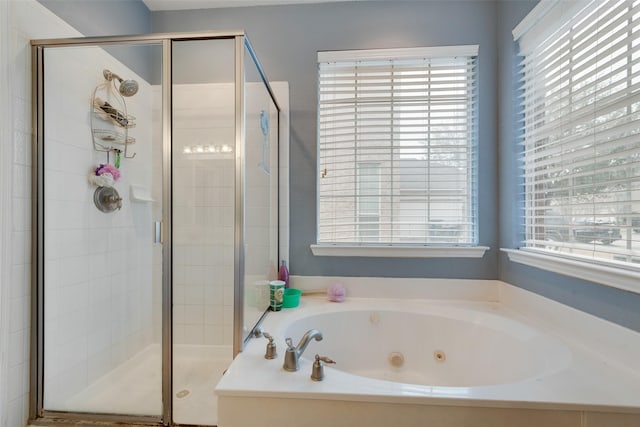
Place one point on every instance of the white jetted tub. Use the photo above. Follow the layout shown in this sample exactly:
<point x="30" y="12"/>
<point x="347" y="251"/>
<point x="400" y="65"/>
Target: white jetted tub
<point x="430" y="344"/>
<point x="491" y="353"/>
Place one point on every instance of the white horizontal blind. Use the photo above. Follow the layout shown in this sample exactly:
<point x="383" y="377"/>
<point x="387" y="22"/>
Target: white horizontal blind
<point x="397" y="147"/>
<point x="581" y="132"/>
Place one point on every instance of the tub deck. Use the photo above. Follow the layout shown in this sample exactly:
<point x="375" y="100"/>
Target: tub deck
<point x="603" y="375"/>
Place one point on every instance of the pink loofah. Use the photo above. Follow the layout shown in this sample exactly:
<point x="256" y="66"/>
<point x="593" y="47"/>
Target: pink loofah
<point x="336" y="293"/>
<point x="106" y="168"/>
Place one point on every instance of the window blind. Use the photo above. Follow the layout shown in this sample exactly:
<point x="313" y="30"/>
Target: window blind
<point x="397" y="146"/>
<point x="580" y="80"/>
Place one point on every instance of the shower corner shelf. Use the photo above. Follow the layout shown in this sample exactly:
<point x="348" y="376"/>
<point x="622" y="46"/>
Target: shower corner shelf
<point x="141" y="194"/>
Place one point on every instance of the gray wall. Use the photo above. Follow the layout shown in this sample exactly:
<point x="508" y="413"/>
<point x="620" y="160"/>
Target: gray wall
<point x="618" y="306"/>
<point x="286" y="39"/>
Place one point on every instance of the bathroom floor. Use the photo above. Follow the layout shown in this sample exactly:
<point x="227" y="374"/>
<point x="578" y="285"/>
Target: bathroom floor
<point x="197" y="370"/>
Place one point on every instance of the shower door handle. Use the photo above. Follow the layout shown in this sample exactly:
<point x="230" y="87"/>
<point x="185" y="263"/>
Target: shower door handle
<point x="158" y="232"/>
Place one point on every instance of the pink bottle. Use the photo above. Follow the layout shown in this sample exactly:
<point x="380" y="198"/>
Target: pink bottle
<point x="283" y="273"/>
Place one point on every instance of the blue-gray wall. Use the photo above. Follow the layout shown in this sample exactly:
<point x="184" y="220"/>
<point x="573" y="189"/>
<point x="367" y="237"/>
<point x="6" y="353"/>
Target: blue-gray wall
<point x="287" y="38"/>
<point x="103" y="17"/>
<point x="108" y="18"/>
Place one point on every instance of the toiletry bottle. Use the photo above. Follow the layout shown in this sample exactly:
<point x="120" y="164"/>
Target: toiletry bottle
<point x="283" y="273"/>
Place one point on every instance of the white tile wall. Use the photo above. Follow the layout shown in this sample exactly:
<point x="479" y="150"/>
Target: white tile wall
<point x="204" y="210"/>
<point x="203" y="221"/>
<point x="28" y="20"/>
<point x="80" y="323"/>
<point x="98" y="287"/>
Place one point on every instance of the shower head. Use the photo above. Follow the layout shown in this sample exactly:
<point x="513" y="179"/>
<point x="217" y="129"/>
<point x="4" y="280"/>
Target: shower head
<point x="127" y="87"/>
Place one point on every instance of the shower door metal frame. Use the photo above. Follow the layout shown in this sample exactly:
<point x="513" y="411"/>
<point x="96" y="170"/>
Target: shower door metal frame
<point x="239" y="217"/>
<point x="37" y="414"/>
<point x="167" y="235"/>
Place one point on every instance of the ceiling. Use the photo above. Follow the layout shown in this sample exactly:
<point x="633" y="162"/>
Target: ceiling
<point x="158" y="5"/>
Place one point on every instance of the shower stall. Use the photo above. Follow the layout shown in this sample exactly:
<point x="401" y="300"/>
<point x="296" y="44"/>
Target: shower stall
<point x="156" y="225"/>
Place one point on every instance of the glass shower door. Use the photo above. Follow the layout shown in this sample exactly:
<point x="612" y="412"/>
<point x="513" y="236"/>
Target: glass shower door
<point x="260" y="193"/>
<point x="100" y="170"/>
<point x="203" y="153"/>
<point x="137" y="136"/>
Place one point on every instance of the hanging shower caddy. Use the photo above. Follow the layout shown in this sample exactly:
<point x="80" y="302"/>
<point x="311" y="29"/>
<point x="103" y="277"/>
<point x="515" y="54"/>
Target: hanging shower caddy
<point x="110" y="122"/>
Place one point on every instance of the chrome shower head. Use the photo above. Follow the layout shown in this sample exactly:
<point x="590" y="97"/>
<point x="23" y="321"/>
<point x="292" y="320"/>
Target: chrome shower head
<point x="127" y="87"/>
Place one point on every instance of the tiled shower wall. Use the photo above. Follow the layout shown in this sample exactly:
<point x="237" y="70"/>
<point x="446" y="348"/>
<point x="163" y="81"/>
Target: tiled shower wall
<point x="98" y="280"/>
<point x="203" y="222"/>
<point x="203" y="199"/>
<point x="98" y="266"/>
<point x="29" y="20"/>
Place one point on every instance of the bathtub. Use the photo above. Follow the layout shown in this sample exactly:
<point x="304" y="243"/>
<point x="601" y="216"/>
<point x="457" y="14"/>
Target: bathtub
<point x="430" y="344"/>
<point x="478" y="350"/>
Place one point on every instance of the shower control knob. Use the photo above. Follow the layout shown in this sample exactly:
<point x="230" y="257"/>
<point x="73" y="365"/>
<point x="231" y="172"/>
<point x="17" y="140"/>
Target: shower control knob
<point x="107" y="199"/>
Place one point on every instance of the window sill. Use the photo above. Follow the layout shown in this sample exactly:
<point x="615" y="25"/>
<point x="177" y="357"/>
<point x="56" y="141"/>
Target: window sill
<point x="627" y="279"/>
<point x="400" y="251"/>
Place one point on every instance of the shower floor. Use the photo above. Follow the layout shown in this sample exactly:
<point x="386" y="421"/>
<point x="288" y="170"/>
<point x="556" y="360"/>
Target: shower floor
<point x="197" y="370"/>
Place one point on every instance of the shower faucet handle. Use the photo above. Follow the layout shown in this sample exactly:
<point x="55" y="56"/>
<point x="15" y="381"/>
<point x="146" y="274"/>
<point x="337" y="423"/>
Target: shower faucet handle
<point x="271" y="352"/>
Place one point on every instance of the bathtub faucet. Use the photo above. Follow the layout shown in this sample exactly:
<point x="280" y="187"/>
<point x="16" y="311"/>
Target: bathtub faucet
<point x="293" y="354"/>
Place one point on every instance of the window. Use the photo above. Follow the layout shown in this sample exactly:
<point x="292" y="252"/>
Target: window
<point x="581" y="129"/>
<point x="397" y="147"/>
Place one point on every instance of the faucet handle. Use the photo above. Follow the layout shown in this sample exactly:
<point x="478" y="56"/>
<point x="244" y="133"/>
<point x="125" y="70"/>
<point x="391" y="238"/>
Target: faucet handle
<point x="317" y="370"/>
<point x="271" y="352"/>
<point x="289" y="343"/>
<point x="325" y="359"/>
